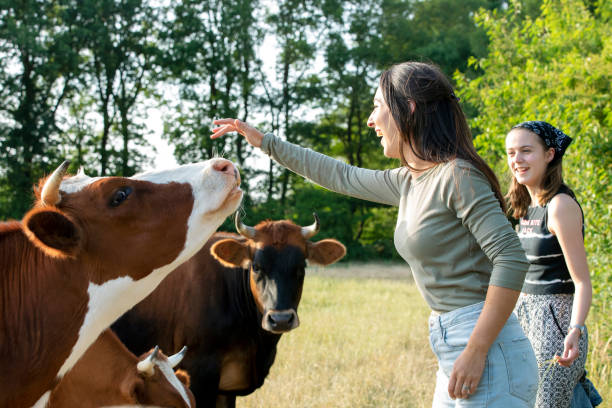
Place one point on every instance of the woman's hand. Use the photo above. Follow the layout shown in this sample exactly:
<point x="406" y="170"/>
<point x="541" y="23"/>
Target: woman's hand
<point x="571" y="349"/>
<point x="467" y="370"/>
<point x="252" y="135"/>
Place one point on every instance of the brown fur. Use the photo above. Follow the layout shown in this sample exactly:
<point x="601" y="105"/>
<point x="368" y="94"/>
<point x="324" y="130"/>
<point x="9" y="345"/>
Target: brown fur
<point x="107" y="375"/>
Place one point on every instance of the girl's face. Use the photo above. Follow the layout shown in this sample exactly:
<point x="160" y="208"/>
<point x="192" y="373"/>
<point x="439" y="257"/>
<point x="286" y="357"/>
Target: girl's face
<point x="383" y="124"/>
<point x="527" y="157"/>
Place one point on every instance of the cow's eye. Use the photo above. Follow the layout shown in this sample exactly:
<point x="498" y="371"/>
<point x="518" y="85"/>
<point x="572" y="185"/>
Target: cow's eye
<point x="256" y="268"/>
<point x="120" y="196"/>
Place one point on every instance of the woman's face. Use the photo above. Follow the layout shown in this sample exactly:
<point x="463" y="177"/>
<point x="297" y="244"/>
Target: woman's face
<point x="383" y="124"/>
<point x="527" y="157"/>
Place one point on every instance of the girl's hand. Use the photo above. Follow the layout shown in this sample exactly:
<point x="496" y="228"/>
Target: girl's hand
<point x="252" y="135"/>
<point x="467" y="370"/>
<point x="570" y="349"/>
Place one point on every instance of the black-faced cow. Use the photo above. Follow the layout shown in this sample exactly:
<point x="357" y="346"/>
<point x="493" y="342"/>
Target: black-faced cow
<point x="90" y="249"/>
<point x="108" y="374"/>
<point x="230" y="307"/>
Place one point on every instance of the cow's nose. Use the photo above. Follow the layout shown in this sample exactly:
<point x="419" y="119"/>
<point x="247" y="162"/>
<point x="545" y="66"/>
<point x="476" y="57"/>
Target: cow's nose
<point x="224" y="166"/>
<point x="281" y="321"/>
<point x="227" y="167"/>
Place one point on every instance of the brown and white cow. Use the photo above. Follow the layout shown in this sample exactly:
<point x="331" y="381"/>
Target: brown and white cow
<point x="109" y="374"/>
<point x="230" y="307"/>
<point x="89" y="250"/>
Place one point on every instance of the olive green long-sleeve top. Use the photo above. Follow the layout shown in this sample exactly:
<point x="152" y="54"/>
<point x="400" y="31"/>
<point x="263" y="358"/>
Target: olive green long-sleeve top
<point x="450" y="227"/>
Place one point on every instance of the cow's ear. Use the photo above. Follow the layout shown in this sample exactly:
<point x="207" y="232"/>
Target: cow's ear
<point x="183" y="377"/>
<point x="132" y="388"/>
<point x="53" y="232"/>
<point x="231" y="253"/>
<point x="325" y="252"/>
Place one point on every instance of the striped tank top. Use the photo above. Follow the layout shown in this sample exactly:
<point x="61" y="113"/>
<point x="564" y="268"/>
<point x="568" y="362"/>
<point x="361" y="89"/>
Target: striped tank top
<point x="548" y="273"/>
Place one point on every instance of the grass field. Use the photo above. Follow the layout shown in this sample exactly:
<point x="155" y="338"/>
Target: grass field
<point x="363" y="342"/>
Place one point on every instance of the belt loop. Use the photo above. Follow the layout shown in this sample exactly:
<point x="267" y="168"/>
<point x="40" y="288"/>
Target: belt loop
<point x="442" y="329"/>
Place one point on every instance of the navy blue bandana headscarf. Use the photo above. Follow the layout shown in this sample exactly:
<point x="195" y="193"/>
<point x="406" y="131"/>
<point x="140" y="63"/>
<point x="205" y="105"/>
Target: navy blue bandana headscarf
<point x="552" y="136"/>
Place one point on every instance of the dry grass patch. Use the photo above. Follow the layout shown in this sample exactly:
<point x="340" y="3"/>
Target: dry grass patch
<point x="599" y="361"/>
<point x="361" y="343"/>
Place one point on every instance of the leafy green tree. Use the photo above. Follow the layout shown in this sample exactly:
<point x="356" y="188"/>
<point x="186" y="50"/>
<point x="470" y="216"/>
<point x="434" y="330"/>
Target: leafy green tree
<point x="442" y="31"/>
<point x="121" y="40"/>
<point x="297" y="26"/>
<point x="556" y="67"/>
<point x="210" y="62"/>
<point x="39" y="59"/>
<point x="210" y="59"/>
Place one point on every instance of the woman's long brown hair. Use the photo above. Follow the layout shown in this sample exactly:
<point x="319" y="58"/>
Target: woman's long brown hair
<point x="437" y="130"/>
<point x="519" y="197"/>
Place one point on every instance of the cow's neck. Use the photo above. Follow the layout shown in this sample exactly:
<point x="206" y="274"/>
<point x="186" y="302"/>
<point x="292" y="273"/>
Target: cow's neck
<point x="40" y="315"/>
<point x="106" y="303"/>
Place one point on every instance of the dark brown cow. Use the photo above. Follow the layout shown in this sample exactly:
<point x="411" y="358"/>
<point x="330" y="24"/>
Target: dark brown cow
<point x="230" y="308"/>
<point x="109" y="374"/>
<point x="88" y="251"/>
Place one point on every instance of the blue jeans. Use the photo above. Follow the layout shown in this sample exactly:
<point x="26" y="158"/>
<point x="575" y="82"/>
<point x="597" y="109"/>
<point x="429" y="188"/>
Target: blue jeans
<point x="510" y="376"/>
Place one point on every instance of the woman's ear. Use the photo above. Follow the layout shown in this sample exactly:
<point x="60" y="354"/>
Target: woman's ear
<point x="549" y="155"/>
<point x="412" y="106"/>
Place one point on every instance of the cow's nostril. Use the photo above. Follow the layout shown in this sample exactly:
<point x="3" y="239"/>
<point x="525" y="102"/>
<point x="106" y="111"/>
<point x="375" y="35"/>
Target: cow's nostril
<point x="224" y="166"/>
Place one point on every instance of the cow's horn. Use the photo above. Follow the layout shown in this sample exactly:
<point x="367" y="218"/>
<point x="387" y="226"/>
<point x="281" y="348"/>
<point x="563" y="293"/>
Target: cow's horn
<point x="175" y="359"/>
<point x="243" y="229"/>
<point x="311" y="230"/>
<point x="146" y="366"/>
<point x="50" y="193"/>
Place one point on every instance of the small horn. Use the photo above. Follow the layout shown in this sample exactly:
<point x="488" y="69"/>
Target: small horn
<point x="175" y="359"/>
<point x="147" y="365"/>
<point x="243" y="229"/>
<point x="50" y="193"/>
<point x="311" y="230"/>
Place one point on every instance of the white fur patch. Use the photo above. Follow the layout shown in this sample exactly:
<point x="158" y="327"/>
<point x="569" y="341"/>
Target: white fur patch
<point x="42" y="401"/>
<point x="168" y="372"/>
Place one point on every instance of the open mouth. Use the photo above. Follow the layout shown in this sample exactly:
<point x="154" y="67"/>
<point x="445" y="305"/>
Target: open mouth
<point x="521" y="170"/>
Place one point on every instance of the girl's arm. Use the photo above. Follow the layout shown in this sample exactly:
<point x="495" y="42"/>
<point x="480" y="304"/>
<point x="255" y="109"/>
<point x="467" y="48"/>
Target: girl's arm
<point x="565" y="222"/>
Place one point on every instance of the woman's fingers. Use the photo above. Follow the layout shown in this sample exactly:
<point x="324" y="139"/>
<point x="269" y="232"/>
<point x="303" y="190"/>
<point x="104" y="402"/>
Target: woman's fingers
<point x="224" y="121"/>
<point x="462" y="388"/>
<point x="568" y="357"/>
<point x="220" y="131"/>
<point x="227" y="125"/>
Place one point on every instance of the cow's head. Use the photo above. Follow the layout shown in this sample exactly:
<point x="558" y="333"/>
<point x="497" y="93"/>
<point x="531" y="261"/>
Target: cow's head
<point x="159" y="384"/>
<point x="137" y="224"/>
<point x="275" y="252"/>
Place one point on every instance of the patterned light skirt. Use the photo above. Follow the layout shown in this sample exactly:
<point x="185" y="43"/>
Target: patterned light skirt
<point x="545" y="319"/>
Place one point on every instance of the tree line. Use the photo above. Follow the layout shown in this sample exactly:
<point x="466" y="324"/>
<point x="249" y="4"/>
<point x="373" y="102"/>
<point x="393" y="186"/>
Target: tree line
<point x="77" y="78"/>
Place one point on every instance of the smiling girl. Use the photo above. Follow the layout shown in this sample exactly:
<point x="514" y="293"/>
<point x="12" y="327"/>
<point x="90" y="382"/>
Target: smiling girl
<point x="557" y="292"/>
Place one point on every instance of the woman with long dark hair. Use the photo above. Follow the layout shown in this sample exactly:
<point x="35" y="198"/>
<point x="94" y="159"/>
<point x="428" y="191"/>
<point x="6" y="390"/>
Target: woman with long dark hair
<point x="557" y="292"/>
<point x="451" y="229"/>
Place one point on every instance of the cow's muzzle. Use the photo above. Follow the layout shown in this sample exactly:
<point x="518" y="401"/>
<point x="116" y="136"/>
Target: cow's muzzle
<point x="280" y="321"/>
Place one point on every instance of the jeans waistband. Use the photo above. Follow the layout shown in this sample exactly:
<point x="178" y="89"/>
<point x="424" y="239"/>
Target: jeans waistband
<point x="466" y="313"/>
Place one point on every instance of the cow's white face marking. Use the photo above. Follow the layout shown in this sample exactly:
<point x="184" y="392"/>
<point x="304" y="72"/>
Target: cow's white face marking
<point x="42" y="401"/>
<point x="77" y="183"/>
<point x="168" y="372"/>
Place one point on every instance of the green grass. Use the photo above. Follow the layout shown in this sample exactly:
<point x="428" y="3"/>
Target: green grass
<point x="363" y="342"/>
